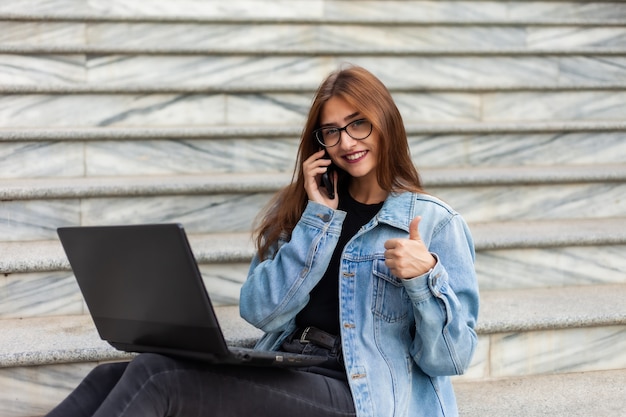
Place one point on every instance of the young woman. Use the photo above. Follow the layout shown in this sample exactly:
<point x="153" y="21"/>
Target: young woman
<point x="362" y="267"/>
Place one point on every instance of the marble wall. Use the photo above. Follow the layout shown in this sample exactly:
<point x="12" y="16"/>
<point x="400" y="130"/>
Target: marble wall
<point x="548" y="351"/>
<point x="174" y="156"/>
<point x="219" y="213"/>
<point x="303" y="71"/>
<point x="226" y="212"/>
<point x="314" y="9"/>
<point x="510" y="269"/>
<point x="302" y="37"/>
<point x="174" y="70"/>
<point x="186" y="110"/>
<point x="44" y="294"/>
<point x="40" y="294"/>
<point x="35" y="390"/>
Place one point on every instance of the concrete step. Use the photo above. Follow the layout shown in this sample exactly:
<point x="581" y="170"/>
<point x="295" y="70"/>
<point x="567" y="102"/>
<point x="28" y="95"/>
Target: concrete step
<point x="259" y="11"/>
<point x="38" y="282"/>
<point x="88" y="187"/>
<point x="313" y="38"/>
<point x="110" y="151"/>
<point x="149" y="73"/>
<point x="231" y="109"/>
<point x="33" y="208"/>
<point x="502" y="313"/>
<point x="224" y="88"/>
<point x="510" y="322"/>
<point x="581" y="394"/>
<point x="550" y="330"/>
<point x="209" y="109"/>
<point x="41" y="359"/>
<point x="112" y="133"/>
<point x="545" y="254"/>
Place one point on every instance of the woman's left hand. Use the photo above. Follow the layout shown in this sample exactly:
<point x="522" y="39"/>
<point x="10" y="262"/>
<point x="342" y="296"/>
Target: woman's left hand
<point x="409" y="258"/>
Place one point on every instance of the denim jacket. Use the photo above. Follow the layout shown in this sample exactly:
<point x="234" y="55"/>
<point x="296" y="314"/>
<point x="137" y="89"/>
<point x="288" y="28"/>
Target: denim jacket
<point x="401" y="339"/>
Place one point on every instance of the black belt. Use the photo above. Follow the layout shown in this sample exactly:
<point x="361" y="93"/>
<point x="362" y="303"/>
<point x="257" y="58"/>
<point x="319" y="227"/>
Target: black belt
<point x="316" y="336"/>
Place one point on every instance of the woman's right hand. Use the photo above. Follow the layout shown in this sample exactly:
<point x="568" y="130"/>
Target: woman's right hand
<point x="313" y="168"/>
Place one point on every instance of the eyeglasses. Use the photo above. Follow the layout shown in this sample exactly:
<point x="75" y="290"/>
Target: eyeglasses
<point x="331" y="136"/>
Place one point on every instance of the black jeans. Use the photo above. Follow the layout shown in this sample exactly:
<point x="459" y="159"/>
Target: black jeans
<point x="156" y="385"/>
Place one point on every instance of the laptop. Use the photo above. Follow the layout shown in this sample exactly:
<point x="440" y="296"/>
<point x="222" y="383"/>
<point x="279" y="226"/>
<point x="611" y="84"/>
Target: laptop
<point x="145" y="293"/>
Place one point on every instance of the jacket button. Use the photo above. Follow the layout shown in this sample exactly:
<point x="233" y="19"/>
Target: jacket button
<point x="325" y="217"/>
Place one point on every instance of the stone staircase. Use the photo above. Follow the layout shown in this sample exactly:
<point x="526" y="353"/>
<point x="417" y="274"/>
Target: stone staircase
<point x="115" y="112"/>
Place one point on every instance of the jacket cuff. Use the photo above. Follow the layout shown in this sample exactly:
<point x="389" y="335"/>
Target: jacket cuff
<point x="323" y="217"/>
<point x="428" y="284"/>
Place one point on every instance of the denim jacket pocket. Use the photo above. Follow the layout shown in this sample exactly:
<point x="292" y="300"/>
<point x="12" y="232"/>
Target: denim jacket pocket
<point x="390" y="300"/>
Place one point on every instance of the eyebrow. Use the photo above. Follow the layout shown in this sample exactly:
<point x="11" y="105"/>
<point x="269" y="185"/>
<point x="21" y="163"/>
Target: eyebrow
<point x="348" y="117"/>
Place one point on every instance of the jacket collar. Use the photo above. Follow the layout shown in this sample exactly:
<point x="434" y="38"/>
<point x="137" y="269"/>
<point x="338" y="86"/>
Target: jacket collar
<point x="395" y="209"/>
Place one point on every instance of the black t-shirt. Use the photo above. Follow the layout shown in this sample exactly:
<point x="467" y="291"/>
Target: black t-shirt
<point x="322" y="311"/>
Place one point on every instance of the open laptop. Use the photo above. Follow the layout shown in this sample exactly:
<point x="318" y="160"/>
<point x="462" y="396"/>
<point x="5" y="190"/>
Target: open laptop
<point x="145" y="293"/>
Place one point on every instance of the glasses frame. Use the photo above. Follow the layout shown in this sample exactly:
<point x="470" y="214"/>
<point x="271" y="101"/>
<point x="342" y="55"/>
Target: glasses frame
<point x="320" y="140"/>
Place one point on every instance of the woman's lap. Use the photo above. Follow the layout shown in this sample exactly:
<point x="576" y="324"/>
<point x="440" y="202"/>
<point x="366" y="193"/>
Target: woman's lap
<point x="161" y="386"/>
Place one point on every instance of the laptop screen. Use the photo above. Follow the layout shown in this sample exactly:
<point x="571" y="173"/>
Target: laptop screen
<point x="142" y="286"/>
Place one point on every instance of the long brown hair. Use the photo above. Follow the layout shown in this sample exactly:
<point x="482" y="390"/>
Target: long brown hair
<point x="395" y="171"/>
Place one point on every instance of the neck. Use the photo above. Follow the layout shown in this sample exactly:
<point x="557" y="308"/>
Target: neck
<point x="366" y="193"/>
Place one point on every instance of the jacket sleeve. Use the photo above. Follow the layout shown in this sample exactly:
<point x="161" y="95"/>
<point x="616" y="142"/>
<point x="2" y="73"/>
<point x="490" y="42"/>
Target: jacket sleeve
<point x="445" y="302"/>
<point x="278" y="287"/>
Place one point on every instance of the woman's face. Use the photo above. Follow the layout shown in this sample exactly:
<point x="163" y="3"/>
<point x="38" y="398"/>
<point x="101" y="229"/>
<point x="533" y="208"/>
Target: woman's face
<point x="359" y="158"/>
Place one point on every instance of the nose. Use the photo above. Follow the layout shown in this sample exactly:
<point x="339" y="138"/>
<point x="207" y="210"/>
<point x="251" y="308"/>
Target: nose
<point x="346" y="141"/>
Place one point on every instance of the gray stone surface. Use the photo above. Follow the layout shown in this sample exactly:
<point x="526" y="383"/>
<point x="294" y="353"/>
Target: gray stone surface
<point x="69" y="339"/>
<point x="552" y="308"/>
<point x="39" y="341"/>
<point x="589" y="394"/>
<point x="28" y="256"/>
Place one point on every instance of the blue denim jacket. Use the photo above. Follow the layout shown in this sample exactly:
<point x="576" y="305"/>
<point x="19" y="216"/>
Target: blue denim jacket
<point x="401" y="338"/>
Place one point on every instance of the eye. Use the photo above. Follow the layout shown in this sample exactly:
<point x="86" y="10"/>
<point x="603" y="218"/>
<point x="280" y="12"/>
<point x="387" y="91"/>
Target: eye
<point x="358" y="123"/>
<point x="331" y="131"/>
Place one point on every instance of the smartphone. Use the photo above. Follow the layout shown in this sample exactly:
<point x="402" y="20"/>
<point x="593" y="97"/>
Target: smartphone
<point x="328" y="179"/>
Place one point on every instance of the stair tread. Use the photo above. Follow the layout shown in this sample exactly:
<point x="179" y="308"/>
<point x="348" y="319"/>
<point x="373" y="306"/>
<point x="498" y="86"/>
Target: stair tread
<point x="572" y="35"/>
<point x="66" y="339"/>
<point x="310" y="51"/>
<point x="549" y="233"/>
<point x="128" y="186"/>
<point x="598" y="393"/>
<point x="73" y="187"/>
<point x="552" y="308"/>
<point x="364" y="12"/>
<point x="295" y="15"/>
<point x="121" y="133"/>
<point x="41" y="340"/>
<point x="249" y="88"/>
<point x="48" y="255"/>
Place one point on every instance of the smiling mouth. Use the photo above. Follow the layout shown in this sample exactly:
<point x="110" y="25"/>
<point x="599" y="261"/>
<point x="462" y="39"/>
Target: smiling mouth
<point x="355" y="156"/>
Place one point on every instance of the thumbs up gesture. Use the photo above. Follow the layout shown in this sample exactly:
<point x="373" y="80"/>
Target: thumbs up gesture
<point x="408" y="258"/>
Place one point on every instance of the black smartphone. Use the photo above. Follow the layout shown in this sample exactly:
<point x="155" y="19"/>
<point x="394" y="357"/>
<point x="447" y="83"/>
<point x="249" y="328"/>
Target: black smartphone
<point x="328" y="179"/>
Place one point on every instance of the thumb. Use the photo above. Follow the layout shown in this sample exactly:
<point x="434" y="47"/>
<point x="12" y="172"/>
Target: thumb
<point x="414" y="233"/>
